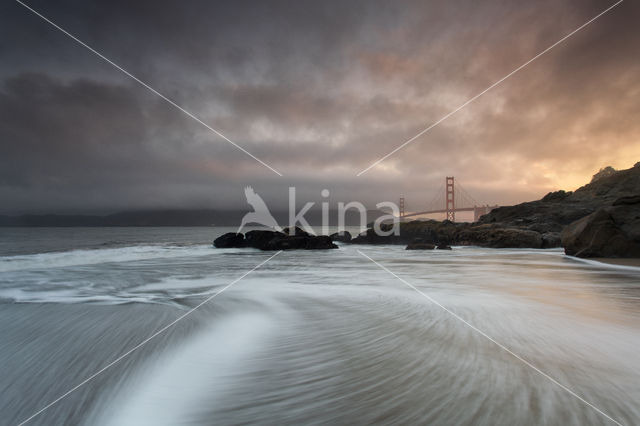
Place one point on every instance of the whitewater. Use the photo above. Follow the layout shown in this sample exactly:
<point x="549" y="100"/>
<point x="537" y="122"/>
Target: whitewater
<point x="311" y="337"/>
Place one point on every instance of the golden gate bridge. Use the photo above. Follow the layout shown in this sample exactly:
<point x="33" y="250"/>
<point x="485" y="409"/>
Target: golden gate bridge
<point x="450" y="198"/>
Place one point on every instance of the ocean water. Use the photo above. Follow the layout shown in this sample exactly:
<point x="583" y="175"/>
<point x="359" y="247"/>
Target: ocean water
<point x="310" y="337"/>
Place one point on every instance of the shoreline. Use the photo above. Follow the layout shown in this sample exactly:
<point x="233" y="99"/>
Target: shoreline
<point x="618" y="261"/>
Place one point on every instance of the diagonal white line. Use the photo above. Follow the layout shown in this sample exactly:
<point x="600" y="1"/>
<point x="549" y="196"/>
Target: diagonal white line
<point x="100" y="55"/>
<point x="501" y="346"/>
<point x="144" y="342"/>
<point x="489" y="88"/>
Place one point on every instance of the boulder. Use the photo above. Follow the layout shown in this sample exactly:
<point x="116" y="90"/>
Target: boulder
<point x="320" y="242"/>
<point x="495" y="236"/>
<point x="260" y="239"/>
<point x="447" y="232"/>
<point x="273" y="240"/>
<point x="371" y="237"/>
<point x="608" y="232"/>
<point x="420" y="246"/>
<point x="551" y="240"/>
<point x="444" y="246"/>
<point x="514" y="238"/>
<point x="306" y="242"/>
<point x="342" y="236"/>
<point x="229" y="240"/>
<point x="294" y="230"/>
<point x="287" y="243"/>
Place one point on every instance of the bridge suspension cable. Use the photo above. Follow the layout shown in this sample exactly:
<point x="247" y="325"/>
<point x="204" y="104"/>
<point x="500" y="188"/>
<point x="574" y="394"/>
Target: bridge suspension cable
<point x="465" y="200"/>
<point x="437" y="201"/>
<point x="449" y="199"/>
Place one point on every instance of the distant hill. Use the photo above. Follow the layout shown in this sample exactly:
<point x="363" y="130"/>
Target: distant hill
<point x="170" y="217"/>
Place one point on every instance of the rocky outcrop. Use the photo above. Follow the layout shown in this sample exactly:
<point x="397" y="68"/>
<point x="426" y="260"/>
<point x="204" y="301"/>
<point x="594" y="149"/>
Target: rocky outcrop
<point x="319" y="242"/>
<point x="488" y="235"/>
<point x="229" y="240"/>
<point x="342" y="236"/>
<point x="273" y="240"/>
<point x="612" y="231"/>
<point x="372" y="237"/>
<point x="446" y="233"/>
<point x="558" y="209"/>
<point x="551" y="240"/>
<point x="260" y="239"/>
<point x="295" y="231"/>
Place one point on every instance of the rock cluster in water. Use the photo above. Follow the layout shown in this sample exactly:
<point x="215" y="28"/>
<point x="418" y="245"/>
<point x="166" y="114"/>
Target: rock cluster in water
<point x="428" y="234"/>
<point x="274" y="240"/>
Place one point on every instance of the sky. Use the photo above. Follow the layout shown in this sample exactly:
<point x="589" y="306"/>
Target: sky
<point x="319" y="90"/>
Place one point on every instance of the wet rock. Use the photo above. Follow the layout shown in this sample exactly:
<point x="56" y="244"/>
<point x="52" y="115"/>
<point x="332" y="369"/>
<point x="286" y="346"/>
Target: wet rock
<point x="513" y="238"/>
<point x="260" y="239"/>
<point x="342" y="236"/>
<point x="495" y="236"/>
<point x="287" y="243"/>
<point x="296" y="231"/>
<point x="229" y="240"/>
<point x="273" y="240"/>
<point x="608" y="232"/>
<point x="551" y="240"/>
<point x="444" y="247"/>
<point x="306" y="242"/>
<point x="320" y="242"/>
<point x="420" y="246"/>
<point x="371" y="237"/>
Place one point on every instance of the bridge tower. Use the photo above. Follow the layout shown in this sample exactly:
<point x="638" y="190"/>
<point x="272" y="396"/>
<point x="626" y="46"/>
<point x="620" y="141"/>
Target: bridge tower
<point x="450" y="199"/>
<point x="401" y="206"/>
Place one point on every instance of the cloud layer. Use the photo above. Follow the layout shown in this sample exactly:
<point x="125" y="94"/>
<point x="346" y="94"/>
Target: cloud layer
<point x="319" y="90"/>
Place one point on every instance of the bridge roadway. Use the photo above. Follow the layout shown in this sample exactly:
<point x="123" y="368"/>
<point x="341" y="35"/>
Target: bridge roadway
<point x="464" y="209"/>
<point x="477" y="211"/>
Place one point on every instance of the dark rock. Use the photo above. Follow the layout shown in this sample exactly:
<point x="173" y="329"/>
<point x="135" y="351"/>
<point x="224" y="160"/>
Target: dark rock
<point x="446" y="233"/>
<point x="420" y="246"/>
<point x="495" y="236"/>
<point x="306" y="242"/>
<point x="288" y="243"/>
<point x="558" y="209"/>
<point x="273" y="240"/>
<point x="431" y="231"/>
<point x="371" y="237"/>
<point x="229" y="240"/>
<point x="295" y="231"/>
<point x="612" y="231"/>
<point x="555" y="196"/>
<point x="624" y="201"/>
<point x="603" y="173"/>
<point x="260" y="239"/>
<point x="551" y="240"/>
<point x="320" y="242"/>
<point x="342" y="236"/>
<point x="444" y="247"/>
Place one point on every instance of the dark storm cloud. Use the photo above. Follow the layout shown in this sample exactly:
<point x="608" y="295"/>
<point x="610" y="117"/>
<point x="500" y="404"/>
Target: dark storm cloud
<point x="319" y="90"/>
